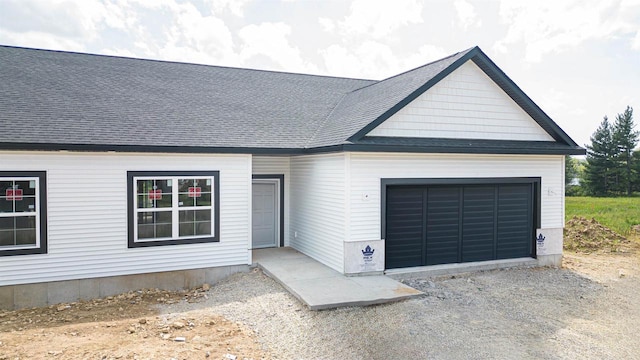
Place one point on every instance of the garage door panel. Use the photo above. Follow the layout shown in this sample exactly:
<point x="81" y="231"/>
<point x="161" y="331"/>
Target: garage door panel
<point x="478" y="211"/>
<point x="404" y="240"/>
<point x="514" y="221"/>
<point x="439" y="224"/>
<point x="443" y="228"/>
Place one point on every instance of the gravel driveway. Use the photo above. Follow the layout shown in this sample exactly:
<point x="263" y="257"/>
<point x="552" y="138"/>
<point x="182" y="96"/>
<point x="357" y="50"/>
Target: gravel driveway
<point x="504" y="314"/>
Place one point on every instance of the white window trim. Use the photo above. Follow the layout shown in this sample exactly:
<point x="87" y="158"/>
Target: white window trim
<point x="36" y="213"/>
<point x="175" y="208"/>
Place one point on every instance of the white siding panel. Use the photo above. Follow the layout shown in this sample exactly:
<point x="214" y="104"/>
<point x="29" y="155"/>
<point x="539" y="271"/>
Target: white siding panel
<point x="366" y="171"/>
<point x="318" y="207"/>
<point x="465" y="104"/>
<point x="87" y="216"/>
<point x="269" y="165"/>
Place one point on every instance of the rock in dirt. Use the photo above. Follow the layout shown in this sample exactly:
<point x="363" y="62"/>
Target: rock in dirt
<point x="178" y="325"/>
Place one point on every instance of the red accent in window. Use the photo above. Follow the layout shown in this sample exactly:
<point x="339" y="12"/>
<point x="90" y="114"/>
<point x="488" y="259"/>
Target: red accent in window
<point x="13" y="195"/>
<point x="195" y="192"/>
<point x="155" y="194"/>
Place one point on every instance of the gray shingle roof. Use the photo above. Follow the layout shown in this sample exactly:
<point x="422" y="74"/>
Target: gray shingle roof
<point x="58" y="100"/>
<point x="70" y="98"/>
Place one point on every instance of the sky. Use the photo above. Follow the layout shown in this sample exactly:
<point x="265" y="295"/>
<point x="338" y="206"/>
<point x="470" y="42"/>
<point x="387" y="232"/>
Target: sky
<point x="579" y="60"/>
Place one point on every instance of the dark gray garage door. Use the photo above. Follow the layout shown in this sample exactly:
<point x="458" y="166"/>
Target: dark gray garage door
<point x="440" y="224"/>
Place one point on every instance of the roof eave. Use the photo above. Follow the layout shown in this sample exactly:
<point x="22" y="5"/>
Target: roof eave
<point x="427" y="149"/>
<point x="569" y="150"/>
<point x="148" y="149"/>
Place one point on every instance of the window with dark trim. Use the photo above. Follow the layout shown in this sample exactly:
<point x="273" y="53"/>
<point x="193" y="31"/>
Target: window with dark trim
<point x="172" y="207"/>
<point x="23" y="215"/>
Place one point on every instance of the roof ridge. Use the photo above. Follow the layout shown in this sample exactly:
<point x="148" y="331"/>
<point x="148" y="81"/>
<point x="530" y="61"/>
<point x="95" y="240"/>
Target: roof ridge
<point x="179" y="62"/>
<point x="415" y="68"/>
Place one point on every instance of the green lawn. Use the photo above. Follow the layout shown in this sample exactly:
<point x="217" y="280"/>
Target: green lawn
<point x="618" y="214"/>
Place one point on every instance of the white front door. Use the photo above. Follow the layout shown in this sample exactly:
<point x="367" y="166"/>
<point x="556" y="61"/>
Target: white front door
<point x="265" y="214"/>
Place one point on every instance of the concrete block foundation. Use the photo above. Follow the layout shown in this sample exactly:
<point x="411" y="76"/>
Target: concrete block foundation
<point x="550" y="260"/>
<point x="13" y="297"/>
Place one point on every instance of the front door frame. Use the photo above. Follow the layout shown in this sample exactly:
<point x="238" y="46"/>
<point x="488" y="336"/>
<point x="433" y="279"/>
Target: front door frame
<point x="278" y="179"/>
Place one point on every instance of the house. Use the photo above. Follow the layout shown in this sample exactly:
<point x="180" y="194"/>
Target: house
<point x="120" y="173"/>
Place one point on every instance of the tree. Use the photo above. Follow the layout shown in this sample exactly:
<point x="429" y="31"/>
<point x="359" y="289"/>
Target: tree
<point x="571" y="173"/>
<point x="626" y="140"/>
<point x="600" y="170"/>
<point x="570" y="169"/>
<point x="635" y="181"/>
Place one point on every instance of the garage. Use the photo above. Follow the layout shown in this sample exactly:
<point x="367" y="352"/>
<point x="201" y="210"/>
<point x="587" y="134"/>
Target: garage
<point x="440" y="223"/>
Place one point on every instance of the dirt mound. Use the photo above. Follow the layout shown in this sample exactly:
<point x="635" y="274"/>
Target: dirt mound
<point x="587" y="236"/>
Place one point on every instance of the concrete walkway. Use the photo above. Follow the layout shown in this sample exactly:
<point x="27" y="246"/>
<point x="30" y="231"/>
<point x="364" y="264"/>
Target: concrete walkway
<point x="320" y="287"/>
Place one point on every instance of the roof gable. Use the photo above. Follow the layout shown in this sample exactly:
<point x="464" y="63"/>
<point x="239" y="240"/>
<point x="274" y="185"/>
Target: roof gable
<point x="466" y="104"/>
<point x="363" y="109"/>
<point x="386" y="98"/>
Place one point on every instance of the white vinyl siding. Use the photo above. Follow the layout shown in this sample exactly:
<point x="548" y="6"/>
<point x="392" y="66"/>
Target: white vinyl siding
<point x="318" y="213"/>
<point x="87" y="216"/>
<point x="277" y="165"/>
<point x="466" y="104"/>
<point x="366" y="170"/>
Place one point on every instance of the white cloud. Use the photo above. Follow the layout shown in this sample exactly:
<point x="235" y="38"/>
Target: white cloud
<point x="425" y="55"/>
<point x="466" y="14"/>
<point x="375" y="60"/>
<point x="377" y="18"/>
<point x="327" y="24"/>
<point x="40" y="40"/>
<point x="635" y="43"/>
<point x="551" y="26"/>
<point x="58" y="23"/>
<point x="202" y="34"/>
<point x="368" y="39"/>
<point x="236" y="7"/>
<point x="272" y="40"/>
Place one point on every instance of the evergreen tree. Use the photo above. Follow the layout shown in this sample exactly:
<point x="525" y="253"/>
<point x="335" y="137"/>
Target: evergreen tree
<point x="626" y="140"/>
<point x="600" y="170"/>
<point x="635" y="163"/>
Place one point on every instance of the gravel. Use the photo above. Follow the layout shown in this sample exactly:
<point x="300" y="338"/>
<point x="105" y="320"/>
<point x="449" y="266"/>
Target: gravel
<point x="542" y="313"/>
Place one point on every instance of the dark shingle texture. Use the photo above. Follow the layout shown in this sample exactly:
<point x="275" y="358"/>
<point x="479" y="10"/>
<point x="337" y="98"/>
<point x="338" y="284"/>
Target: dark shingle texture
<point x="62" y="100"/>
<point x="362" y="106"/>
<point x="69" y="98"/>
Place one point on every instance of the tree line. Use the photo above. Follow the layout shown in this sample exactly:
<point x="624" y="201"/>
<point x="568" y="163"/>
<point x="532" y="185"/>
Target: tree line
<point x="612" y="166"/>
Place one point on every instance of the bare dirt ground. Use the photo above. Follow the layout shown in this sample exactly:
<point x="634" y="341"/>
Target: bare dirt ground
<point x="127" y="326"/>
<point x="588" y="309"/>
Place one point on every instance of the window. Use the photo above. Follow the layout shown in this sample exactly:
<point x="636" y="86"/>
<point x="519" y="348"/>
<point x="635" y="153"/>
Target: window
<point x="169" y="208"/>
<point x="23" y="221"/>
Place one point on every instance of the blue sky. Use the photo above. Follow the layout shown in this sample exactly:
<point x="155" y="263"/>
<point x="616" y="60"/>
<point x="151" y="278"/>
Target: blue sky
<point x="578" y="60"/>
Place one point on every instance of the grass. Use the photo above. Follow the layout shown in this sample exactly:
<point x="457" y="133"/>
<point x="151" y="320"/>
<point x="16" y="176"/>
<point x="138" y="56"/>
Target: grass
<point x="618" y="214"/>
